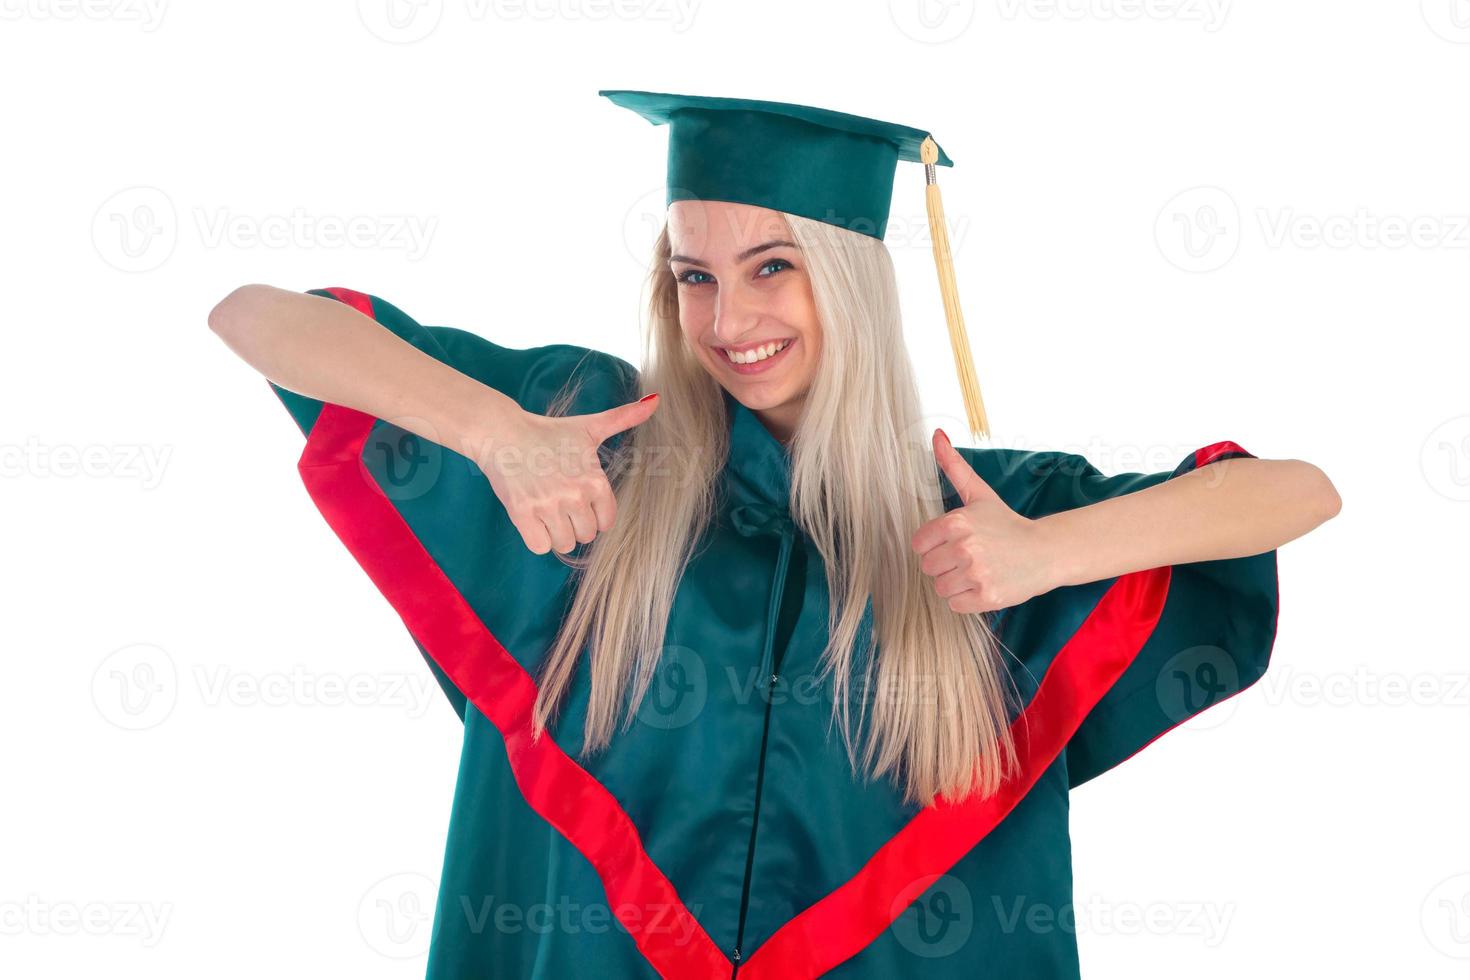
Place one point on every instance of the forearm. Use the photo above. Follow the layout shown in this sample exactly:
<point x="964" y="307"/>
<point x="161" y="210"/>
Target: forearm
<point x="1228" y="509"/>
<point x="327" y="350"/>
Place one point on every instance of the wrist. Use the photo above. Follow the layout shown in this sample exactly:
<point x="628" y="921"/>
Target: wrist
<point x="479" y="421"/>
<point x="1061" y="555"/>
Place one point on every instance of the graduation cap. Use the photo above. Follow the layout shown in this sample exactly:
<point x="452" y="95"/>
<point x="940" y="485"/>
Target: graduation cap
<point x="817" y="163"/>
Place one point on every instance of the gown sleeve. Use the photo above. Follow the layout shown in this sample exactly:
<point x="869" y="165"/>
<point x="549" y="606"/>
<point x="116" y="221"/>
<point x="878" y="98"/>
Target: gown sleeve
<point x="1132" y="658"/>
<point x="442" y="496"/>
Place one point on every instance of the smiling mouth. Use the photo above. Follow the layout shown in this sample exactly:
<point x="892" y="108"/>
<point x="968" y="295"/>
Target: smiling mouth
<point x="757" y="358"/>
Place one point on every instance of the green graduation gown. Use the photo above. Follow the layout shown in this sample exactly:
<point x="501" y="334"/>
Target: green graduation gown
<point x="724" y="834"/>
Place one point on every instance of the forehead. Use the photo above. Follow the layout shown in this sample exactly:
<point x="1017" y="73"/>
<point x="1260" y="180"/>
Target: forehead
<point x="720" y="229"/>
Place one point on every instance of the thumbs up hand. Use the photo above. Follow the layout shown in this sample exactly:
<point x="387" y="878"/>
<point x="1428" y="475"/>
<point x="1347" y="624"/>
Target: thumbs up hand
<point x="547" y="474"/>
<point x="982" y="556"/>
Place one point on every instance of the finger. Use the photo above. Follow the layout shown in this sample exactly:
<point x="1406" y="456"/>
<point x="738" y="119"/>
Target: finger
<point x="970" y="601"/>
<point x="954" y="582"/>
<point x="603" y="425"/>
<point x="939" y="531"/>
<point x="605" y="506"/>
<point x="584" y="522"/>
<point x="944" y="558"/>
<point x="534" y="533"/>
<point x="963" y="476"/>
<point x="559" y="527"/>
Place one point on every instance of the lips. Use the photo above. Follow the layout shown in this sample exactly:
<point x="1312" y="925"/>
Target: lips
<point x="757" y="367"/>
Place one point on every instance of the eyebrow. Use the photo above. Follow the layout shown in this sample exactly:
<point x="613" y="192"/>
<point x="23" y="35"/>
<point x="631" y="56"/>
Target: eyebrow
<point x="753" y="250"/>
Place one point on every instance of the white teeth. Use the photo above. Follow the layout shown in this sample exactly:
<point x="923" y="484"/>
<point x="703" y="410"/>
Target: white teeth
<point x="758" y="353"/>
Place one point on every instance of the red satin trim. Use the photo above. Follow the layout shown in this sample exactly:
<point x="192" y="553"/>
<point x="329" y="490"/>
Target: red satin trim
<point x="438" y="616"/>
<point x="839" y="925"/>
<point x="1212" y="452"/>
<point x="1209" y="454"/>
<point x="361" y="302"/>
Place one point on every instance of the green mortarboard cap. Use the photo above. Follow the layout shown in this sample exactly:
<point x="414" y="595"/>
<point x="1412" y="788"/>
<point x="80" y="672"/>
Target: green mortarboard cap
<point x="824" y="165"/>
<point x="817" y="163"/>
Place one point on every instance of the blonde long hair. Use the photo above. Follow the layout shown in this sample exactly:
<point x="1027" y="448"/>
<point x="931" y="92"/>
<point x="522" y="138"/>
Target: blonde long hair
<point x="859" y="490"/>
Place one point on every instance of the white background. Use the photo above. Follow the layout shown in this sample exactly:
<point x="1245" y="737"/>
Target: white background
<point x="1175" y="222"/>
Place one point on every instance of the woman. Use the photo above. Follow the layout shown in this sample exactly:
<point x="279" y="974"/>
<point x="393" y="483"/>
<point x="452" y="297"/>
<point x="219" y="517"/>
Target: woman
<point x="748" y="688"/>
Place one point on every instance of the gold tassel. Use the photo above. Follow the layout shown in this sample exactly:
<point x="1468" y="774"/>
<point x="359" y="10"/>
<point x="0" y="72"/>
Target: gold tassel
<point x="959" y="343"/>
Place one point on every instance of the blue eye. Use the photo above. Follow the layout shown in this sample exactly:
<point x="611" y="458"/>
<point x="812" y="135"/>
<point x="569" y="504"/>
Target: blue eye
<point x="685" y="277"/>
<point x="777" y="262"/>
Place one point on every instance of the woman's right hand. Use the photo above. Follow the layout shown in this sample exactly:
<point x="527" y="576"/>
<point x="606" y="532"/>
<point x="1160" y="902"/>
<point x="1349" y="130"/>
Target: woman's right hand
<point x="547" y="474"/>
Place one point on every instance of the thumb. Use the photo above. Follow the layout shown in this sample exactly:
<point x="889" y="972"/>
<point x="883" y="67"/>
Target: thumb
<point x="603" y="425"/>
<point x="969" y="484"/>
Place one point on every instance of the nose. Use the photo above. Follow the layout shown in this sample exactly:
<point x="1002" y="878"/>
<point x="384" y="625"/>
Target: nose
<point x="735" y="314"/>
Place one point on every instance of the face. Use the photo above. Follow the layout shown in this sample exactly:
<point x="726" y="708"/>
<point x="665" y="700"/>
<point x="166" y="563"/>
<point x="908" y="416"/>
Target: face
<point x="743" y="287"/>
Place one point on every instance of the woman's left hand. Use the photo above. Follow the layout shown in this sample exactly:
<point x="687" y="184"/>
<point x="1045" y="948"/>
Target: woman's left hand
<point x="982" y="556"/>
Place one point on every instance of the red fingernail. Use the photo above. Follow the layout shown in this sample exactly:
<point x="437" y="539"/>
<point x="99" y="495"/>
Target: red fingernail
<point x="646" y="397"/>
